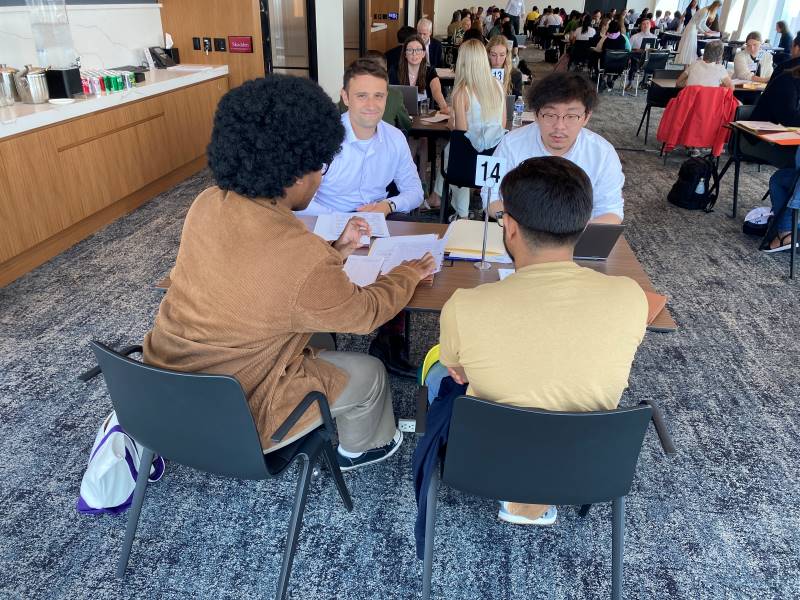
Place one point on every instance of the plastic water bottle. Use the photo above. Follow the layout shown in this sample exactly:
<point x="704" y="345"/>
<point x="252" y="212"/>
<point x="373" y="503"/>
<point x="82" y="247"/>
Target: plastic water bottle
<point x="701" y="187"/>
<point x="519" y="108"/>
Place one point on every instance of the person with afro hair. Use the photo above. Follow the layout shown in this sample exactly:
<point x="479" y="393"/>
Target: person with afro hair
<point x="251" y="284"/>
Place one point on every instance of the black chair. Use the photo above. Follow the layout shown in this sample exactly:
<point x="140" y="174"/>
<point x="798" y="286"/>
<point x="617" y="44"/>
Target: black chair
<point x="655" y="60"/>
<point x="579" y="54"/>
<point x="203" y="421"/>
<point x="459" y="170"/>
<point x="658" y="97"/>
<point x="613" y="62"/>
<point x="591" y="458"/>
<point x="736" y="156"/>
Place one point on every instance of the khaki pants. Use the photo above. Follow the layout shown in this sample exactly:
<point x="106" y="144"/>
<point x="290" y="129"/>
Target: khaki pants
<point x="363" y="412"/>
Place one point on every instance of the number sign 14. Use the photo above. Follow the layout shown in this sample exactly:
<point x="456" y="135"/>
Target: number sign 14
<point x="489" y="171"/>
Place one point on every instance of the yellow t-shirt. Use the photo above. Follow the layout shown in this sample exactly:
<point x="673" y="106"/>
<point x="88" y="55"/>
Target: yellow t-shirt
<point x="554" y="336"/>
<point x="532" y="16"/>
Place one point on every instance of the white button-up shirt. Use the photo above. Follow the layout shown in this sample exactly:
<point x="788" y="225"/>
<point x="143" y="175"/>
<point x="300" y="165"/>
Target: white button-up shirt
<point x="515" y="7"/>
<point x="591" y="152"/>
<point x="361" y="171"/>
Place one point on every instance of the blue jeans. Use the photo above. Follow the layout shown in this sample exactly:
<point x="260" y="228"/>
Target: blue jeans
<point x="434" y="379"/>
<point x="782" y="190"/>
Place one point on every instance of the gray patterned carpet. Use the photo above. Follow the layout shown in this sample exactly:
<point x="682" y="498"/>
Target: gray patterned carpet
<point x="720" y="520"/>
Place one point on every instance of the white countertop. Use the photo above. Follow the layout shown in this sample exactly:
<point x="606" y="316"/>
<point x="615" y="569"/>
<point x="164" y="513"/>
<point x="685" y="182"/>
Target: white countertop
<point x="21" y="117"/>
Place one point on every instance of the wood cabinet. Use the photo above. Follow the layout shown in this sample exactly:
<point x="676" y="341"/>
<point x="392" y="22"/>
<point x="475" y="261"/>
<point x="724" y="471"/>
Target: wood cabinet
<point x="60" y="183"/>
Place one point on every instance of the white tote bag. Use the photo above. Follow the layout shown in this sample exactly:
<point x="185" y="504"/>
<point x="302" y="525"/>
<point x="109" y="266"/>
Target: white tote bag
<point x="110" y="478"/>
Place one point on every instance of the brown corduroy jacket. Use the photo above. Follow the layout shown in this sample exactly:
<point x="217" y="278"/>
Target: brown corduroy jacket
<point x="250" y="285"/>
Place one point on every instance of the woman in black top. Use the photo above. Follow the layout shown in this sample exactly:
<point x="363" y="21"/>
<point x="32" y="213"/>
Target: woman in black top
<point x="785" y="40"/>
<point x="614" y="40"/>
<point x="413" y="70"/>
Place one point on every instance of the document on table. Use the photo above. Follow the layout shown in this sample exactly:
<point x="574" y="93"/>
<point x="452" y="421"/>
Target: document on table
<point x="437" y="118"/>
<point x="505" y="273"/>
<point x="504" y="259"/>
<point x="363" y="270"/>
<point x="465" y="238"/>
<point x="395" y="250"/>
<point x="761" y="126"/>
<point x="330" y="226"/>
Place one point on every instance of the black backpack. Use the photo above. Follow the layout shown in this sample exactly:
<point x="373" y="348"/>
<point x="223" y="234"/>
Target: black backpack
<point x="688" y="192"/>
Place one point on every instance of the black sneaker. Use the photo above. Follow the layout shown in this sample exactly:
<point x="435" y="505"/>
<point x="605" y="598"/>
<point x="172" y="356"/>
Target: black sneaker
<point x="370" y="456"/>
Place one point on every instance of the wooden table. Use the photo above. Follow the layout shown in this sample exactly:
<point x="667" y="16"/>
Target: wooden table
<point x="461" y="274"/>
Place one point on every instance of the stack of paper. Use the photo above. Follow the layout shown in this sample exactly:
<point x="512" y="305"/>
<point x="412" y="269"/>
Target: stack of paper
<point x="761" y="126"/>
<point x="437" y="118"/>
<point x="395" y="250"/>
<point x="330" y="226"/>
<point x="465" y="239"/>
<point x="363" y="270"/>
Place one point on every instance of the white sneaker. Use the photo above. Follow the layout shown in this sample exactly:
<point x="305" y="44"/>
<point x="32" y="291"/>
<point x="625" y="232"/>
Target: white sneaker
<point x="548" y="518"/>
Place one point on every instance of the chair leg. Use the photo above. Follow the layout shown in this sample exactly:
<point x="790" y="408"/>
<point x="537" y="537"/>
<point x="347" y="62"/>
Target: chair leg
<point x="444" y="201"/>
<point x="661" y="427"/>
<point x="641" y="122"/>
<point x="430" y="527"/>
<point x="617" y="546"/>
<point x="736" y="169"/>
<point x="295" y="523"/>
<point x="793" y="242"/>
<point x="136" y="509"/>
<point x="647" y="125"/>
<point x="333" y="466"/>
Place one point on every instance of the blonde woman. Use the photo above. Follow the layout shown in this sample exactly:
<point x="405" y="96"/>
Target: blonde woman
<point x="500" y="58"/>
<point x="479" y="110"/>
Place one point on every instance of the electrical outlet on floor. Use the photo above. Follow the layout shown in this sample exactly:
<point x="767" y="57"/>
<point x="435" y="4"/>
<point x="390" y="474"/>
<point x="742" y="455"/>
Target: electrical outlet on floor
<point x="407" y="425"/>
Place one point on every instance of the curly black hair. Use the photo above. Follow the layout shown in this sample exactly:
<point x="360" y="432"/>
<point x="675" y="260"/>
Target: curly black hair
<point x="268" y="132"/>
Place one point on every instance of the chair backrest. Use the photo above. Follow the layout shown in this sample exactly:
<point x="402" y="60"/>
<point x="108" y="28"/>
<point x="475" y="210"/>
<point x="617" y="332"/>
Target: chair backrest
<point x="616" y="61"/>
<point x="542" y="457"/>
<point x="743" y="112"/>
<point x="580" y="51"/>
<point x="409" y="93"/>
<point x="462" y="160"/>
<point x="656" y="61"/>
<point x="194" y="419"/>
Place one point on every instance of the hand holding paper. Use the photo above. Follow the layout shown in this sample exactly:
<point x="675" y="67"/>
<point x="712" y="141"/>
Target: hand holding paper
<point x="352" y="235"/>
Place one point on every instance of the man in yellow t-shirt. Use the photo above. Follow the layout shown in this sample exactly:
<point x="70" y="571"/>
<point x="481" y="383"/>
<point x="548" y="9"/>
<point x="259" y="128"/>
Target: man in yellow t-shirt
<point x="530" y="21"/>
<point x="553" y="335"/>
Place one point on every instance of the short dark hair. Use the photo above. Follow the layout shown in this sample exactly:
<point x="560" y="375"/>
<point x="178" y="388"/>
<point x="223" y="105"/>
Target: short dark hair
<point x="364" y="66"/>
<point x="781" y="27"/>
<point x="269" y="132"/>
<point x="562" y="87"/>
<point x="404" y="32"/>
<point x="550" y="198"/>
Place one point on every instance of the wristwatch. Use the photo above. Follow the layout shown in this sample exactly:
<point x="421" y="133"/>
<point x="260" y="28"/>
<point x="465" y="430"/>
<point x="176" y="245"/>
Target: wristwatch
<point x="392" y="206"/>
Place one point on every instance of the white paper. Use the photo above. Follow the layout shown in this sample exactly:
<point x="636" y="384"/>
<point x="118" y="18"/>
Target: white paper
<point x="396" y="249"/>
<point x="505" y="273"/>
<point x="168" y="43"/>
<point x="437" y="118"/>
<point x="363" y="270"/>
<point x="330" y="226"/>
<point x="528" y="115"/>
<point x="503" y="259"/>
<point x="412" y="251"/>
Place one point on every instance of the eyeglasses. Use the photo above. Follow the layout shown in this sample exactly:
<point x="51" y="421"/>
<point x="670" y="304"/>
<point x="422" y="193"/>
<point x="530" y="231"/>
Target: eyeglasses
<point x="499" y="216"/>
<point x="415" y="51"/>
<point x="325" y="167"/>
<point x="553" y="118"/>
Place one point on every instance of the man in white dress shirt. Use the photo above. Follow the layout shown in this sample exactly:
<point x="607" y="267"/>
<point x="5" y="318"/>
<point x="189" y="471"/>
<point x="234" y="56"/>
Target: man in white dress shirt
<point x="373" y="155"/>
<point x="563" y="104"/>
<point x="514" y="9"/>
<point x="638" y="54"/>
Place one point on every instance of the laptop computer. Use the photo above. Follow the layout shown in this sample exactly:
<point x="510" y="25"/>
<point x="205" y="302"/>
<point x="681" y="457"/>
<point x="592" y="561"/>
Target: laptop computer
<point x="409" y="93"/>
<point x="597" y="241"/>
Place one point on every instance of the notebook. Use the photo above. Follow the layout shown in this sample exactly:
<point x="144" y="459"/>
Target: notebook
<point x="465" y="238"/>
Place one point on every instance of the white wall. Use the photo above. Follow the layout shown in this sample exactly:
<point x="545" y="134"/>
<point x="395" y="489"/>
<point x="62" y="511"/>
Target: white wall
<point x="105" y="35"/>
<point x="330" y="46"/>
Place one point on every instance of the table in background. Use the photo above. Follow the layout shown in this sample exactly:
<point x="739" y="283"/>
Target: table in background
<point x="433" y="132"/>
<point x="744" y="95"/>
<point x="463" y="274"/>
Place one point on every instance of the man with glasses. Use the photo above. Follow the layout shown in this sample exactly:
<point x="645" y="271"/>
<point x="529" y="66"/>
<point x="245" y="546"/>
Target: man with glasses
<point x="553" y="335"/>
<point x="563" y="103"/>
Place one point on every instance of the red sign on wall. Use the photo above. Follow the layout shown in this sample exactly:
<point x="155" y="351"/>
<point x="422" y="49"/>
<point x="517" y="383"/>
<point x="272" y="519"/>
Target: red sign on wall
<point x="240" y="43"/>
